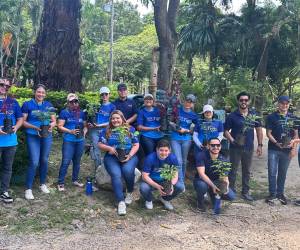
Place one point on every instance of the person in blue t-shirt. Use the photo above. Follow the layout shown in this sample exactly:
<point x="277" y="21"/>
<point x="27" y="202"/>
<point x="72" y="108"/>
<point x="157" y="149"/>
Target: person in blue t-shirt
<point x="148" y="122"/>
<point x="126" y="106"/>
<point x="207" y="128"/>
<point x="152" y="179"/>
<point x="206" y="177"/>
<point x="115" y="139"/>
<point x="181" y="138"/>
<point x="38" y="147"/>
<point x="102" y="118"/>
<point x="10" y="114"/>
<point x="72" y="122"/>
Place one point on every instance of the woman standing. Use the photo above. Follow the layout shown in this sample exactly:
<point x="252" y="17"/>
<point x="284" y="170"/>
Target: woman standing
<point x="38" y="147"/>
<point x="119" y="135"/>
<point x="72" y="122"/>
<point x="148" y="121"/>
<point x="181" y="138"/>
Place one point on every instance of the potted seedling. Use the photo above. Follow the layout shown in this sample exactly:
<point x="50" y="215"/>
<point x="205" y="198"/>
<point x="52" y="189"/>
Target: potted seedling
<point x="44" y="116"/>
<point x="249" y="123"/>
<point x="168" y="172"/>
<point x="288" y="124"/>
<point x="78" y="125"/>
<point x="122" y="132"/>
<point x="7" y="110"/>
<point x="90" y="111"/>
<point x="222" y="168"/>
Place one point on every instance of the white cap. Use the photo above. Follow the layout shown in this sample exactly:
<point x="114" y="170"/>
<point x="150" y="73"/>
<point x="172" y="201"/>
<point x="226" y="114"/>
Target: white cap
<point x="208" y="107"/>
<point x="148" y="95"/>
<point x="104" y="90"/>
<point x="72" y="97"/>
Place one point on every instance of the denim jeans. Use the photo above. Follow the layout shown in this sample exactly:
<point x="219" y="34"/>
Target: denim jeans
<point x="38" y="150"/>
<point x="237" y="156"/>
<point x="71" y="151"/>
<point x="148" y="144"/>
<point x="181" y="149"/>
<point x="117" y="170"/>
<point x="146" y="191"/>
<point x="7" y="156"/>
<point x="278" y="163"/>
<point x="201" y="188"/>
<point x="94" y="135"/>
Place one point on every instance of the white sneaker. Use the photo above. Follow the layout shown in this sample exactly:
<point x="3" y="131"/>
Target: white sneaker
<point x="44" y="189"/>
<point x="129" y="198"/>
<point x="29" y="195"/>
<point x="168" y="205"/>
<point x="121" y="208"/>
<point x="149" y="204"/>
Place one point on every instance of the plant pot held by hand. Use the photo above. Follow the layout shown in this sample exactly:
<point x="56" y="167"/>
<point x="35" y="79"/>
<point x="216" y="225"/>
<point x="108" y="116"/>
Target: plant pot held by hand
<point x="167" y="186"/>
<point x="222" y="185"/>
<point x="7" y="125"/>
<point x="240" y="139"/>
<point x="79" y="134"/>
<point x="286" y="140"/>
<point x="121" y="154"/>
<point x="44" y="131"/>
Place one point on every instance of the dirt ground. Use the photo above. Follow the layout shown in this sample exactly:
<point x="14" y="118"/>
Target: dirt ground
<point x="241" y="225"/>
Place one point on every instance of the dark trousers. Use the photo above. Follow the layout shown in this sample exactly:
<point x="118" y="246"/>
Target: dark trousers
<point x="7" y="156"/>
<point x="238" y="155"/>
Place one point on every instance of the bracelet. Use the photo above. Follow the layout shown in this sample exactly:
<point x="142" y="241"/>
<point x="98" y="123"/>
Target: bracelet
<point x="260" y="145"/>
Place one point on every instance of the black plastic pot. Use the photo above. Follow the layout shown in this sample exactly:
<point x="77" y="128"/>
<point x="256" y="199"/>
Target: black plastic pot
<point x="44" y="131"/>
<point x="240" y="139"/>
<point x="167" y="186"/>
<point x="121" y="154"/>
<point x="7" y="125"/>
<point x="285" y="140"/>
<point x="222" y="185"/>
<point x="79" y="135"/>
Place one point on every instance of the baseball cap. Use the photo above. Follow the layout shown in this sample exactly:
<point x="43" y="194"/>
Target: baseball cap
<point x="104" y="90"/>
<point x="207" y="108"/>
<point x="283" y="98"/>
<point x="72" y="97"/>
<point x="122" y="86"/>
<point x="148" y="96"/>
<point x="190" y="97"/>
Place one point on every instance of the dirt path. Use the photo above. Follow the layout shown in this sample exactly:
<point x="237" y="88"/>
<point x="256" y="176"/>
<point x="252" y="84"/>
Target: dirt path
<point x="242" y="225"/>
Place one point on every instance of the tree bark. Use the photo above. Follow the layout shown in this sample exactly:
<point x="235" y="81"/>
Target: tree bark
<point x="57" y="47"/>
<point x="165" y="13"/>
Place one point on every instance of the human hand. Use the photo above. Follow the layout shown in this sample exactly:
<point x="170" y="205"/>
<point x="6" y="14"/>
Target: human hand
<point x="215" y="189"/>
<point x="112" y="151"/>
<point x="2" y="132"/>
<point x="161" y="190"/>
<point x="259" y="151"/>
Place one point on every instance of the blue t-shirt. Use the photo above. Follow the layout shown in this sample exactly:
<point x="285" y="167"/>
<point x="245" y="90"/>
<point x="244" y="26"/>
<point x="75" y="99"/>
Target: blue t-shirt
<point x="127" y="107"/>
<point x="104" y="111"/>
<point x="153" y="165"/>
<point x="14" y="112"/>
<point x="150" y="119"/>
<point x="208" y="129"/>
<point x="30" y="106"/>
<point x="203" y="159"/>
<point x="114" y="141"/>
<point x="72" y="119"/>
<point x="185" y="121"/>
<point x="274" y="123"/>
<point x="235" y="123"/>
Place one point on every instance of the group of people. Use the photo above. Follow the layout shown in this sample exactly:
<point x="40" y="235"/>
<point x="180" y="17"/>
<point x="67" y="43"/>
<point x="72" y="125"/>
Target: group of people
<point x="115" y="133"/>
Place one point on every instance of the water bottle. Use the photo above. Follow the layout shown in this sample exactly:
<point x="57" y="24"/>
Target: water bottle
<point x="89" y="186"/>
<point x="217" y="205"/>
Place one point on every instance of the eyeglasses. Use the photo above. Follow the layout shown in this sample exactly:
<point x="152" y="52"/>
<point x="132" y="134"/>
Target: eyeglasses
<point x="104" y="94"/>
<point x="215" y="145"/>
<point x="7" y="86"/>
<point x="243" y="100"/>
<point x="74" y="101"/>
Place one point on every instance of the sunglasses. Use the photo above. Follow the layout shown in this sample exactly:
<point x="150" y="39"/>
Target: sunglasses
<point x="243" y="100"/>
<point x="215" y="145"/>
<point x="7" y="86"/>
<point x="73" y="101"/>
<point x="104" y="94"/>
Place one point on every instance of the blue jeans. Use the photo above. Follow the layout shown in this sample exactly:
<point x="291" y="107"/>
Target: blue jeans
<point x="278" y="163"/>
<point x="96" y="154"/>
<point x="146" y="191"/>
<point x="117" y="170"/>
<point x="71" y="151"/>
<point x="38" y="150"/>
<point x="181" y="149"/>
<point x="201" y="188"/>
<point x="7" y="156"/>
<point x="148" y="144"/>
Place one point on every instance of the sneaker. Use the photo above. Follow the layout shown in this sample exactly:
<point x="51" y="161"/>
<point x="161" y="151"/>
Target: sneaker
<point x="168" y="205"/>
<point x="121" y="208"/>
<point x="44" y="189"/>
<point x="29" y="195"/>
<point x="201" y="206"/>
<point x="297" y="202"/>
<point x="282" y="199"/>
<point x="247" y="197"/>
<point x="6" y="198"/>
<point x="129" y="198"/>
<point x="61" y="187"/>
<point x="149" y="205"/>
<point x="271" y="199"/>
<point x="78" y="184"/>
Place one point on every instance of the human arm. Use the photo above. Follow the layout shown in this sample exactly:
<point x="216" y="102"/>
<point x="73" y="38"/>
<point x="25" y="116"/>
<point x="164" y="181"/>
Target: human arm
<point x="196" y="139"/>
<point x="259" y="135"/>
<point x="26" y="124"/>
<point x="152" y="183"/>
<point x="131" y="119"/>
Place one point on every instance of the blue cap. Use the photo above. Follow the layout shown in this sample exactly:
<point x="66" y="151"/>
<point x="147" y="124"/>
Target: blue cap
<point x="283" y="98"/>
<point x="121" y="86"/>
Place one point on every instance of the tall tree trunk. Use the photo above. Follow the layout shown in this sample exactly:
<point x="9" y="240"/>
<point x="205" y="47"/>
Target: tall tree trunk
<point x="189" y="73"/>
<point x="165" y="13"/>
<point x="57" y="47"/>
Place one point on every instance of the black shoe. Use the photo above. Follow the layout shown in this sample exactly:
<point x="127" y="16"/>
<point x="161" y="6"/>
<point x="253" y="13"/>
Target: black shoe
<point x="247" y="197"/>
<point x="6" y="198"/>
<point x="282" y="199"/>
<point x="271" y="199"/>
<point x="201" y="206"/>
<point x="297" y="203"/>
